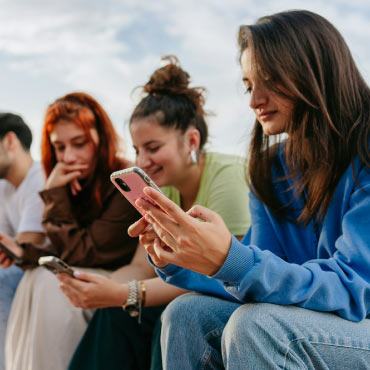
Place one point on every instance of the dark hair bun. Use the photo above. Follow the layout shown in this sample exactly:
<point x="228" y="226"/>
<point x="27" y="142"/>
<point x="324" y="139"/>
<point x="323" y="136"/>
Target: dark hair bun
<point x="173" y="80"/>
<point x="170" y="79"/>
<point x="170" y="100"/>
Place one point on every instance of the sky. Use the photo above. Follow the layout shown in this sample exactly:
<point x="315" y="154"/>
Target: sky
<point x="107" y="48"/>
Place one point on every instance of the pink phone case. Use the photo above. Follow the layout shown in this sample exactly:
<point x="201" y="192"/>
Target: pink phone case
<point x="131" y="182"/>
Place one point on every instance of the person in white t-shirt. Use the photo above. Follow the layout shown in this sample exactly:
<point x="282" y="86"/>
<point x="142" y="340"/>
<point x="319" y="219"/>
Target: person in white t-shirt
<point x="20" y="205"/>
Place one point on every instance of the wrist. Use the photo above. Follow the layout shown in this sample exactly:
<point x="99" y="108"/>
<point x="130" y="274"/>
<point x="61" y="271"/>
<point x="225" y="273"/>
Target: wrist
<point x="219" y="258"/>
<point x="49" y="185"/>
<point x="135" y="299"/>
<point x="121" y="295"/>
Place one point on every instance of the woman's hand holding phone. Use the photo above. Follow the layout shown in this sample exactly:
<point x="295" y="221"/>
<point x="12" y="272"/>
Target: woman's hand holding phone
<point x="63" y="174"/>
<point x="86" y="290"/>
<point x="198" y="239"/>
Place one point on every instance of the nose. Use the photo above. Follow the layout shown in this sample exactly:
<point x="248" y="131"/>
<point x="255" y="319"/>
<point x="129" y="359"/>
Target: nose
<point x="258" y="98"/>
<point x="143" y="161"/>
<point x="69" y="155"/>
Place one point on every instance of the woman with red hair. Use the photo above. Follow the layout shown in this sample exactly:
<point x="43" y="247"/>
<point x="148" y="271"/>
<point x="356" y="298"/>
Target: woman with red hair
<point x="85" y="220"/>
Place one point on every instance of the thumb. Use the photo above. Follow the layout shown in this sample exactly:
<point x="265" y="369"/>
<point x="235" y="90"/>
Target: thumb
<point x="137" y="228"/>
<point x="203" y="214"/>
<point x="85" y="276"/>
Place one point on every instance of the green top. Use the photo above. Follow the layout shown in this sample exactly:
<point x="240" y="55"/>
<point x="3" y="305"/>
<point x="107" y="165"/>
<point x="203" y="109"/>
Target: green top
<point x="222" y="189"/>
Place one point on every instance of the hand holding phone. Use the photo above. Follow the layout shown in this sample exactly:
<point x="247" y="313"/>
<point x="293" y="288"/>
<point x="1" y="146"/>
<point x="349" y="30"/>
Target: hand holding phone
<point x="131" y="183"/>
<point x="56" y="265"/>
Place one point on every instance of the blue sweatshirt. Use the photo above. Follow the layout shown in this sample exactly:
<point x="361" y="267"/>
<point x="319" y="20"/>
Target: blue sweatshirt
<point x="324" y="266"/>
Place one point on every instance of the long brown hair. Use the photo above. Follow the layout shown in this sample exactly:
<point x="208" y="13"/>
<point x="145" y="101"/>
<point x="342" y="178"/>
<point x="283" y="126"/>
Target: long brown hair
<point x="307" y="61"/>
<point x="84" y="111"/>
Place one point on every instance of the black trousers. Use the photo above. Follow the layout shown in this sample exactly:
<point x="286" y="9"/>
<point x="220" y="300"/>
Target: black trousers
<point x="116" y="341"/>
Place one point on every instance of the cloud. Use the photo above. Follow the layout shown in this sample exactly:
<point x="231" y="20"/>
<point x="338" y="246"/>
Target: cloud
<point x="108" y="48"/>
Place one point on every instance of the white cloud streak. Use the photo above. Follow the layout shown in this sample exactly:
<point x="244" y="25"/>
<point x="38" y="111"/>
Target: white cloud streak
<point x="107" y="48"/>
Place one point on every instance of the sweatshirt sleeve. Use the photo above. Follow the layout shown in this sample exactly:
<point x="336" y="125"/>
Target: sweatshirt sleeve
<point x="190" y="280"/>
<point x="193" y="281"/>
<point x="339" y="283"/>
<point x="102" y="243"/>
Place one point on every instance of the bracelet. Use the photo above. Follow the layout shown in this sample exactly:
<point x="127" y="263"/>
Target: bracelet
<point x="135" y="299"/>
<point x="142" y="289"/>
<point x="132" y="304"/>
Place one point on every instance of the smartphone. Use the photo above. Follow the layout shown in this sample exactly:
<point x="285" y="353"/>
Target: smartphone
<point x="131" y="183"/>
<point x="55" y="265"/>
<point x="9" y="253"/>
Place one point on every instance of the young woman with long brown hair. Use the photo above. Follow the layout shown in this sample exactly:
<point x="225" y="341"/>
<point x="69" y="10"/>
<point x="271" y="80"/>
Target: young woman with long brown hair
<point x="296" y="290"/>
<point x="85" y="219"/>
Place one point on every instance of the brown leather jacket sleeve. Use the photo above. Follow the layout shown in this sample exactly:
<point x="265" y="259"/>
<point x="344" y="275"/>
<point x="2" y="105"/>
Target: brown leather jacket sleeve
<point x="103" y="243"/>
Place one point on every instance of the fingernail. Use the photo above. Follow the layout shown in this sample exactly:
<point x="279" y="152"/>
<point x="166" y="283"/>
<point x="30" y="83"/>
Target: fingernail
<point x="77" y="274"/>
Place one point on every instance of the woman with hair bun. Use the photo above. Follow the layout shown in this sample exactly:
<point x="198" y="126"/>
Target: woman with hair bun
<point x="169" y="132"/>
<point x="85" y="219"/>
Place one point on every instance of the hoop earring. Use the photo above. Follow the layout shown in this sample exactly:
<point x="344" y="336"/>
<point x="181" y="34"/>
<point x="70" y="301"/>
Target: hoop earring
<point x="193" y="156"/>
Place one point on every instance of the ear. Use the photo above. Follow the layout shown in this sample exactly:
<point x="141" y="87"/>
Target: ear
<point x="192" y="138"/>
<point x="10" y="140"/>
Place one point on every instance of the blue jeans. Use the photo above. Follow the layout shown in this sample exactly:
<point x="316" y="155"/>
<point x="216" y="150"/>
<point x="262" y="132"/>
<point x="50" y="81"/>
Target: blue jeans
<point x="201" y="332"/>
<point x="9" y="280"/>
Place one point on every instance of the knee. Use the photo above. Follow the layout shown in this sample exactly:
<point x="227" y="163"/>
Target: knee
<point x="191" y="311"/>
<point x="180" y="311"/>
<point x="42" y="281"/>
<point x="251" y="321"/>
<point x="40" y="275"/>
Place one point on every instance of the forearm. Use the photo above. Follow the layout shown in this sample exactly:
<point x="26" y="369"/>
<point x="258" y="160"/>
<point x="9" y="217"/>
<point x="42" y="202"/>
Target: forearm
<point x="138" y="269"/>
<point x="133" y="272"/>
<point x="37" y="238"/>
<point x="157" y="293"/>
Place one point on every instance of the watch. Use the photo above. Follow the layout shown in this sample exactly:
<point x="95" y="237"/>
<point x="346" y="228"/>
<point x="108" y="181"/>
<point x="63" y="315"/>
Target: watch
<point x="132" y="304"/>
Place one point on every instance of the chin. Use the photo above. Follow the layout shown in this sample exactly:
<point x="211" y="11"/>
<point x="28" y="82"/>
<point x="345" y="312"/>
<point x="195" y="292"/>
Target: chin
<point x="272" y="129"/>
<point x="159" y="181"/>
<point x="158" y="178"/>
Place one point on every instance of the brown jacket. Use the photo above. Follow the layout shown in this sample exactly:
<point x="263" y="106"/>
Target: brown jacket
<point x="103" y="242"/>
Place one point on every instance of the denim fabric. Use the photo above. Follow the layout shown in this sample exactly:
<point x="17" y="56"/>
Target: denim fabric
<point x="192" y="326"/>
<point x="201" y="332"/>
<point x="9" y="280"/>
